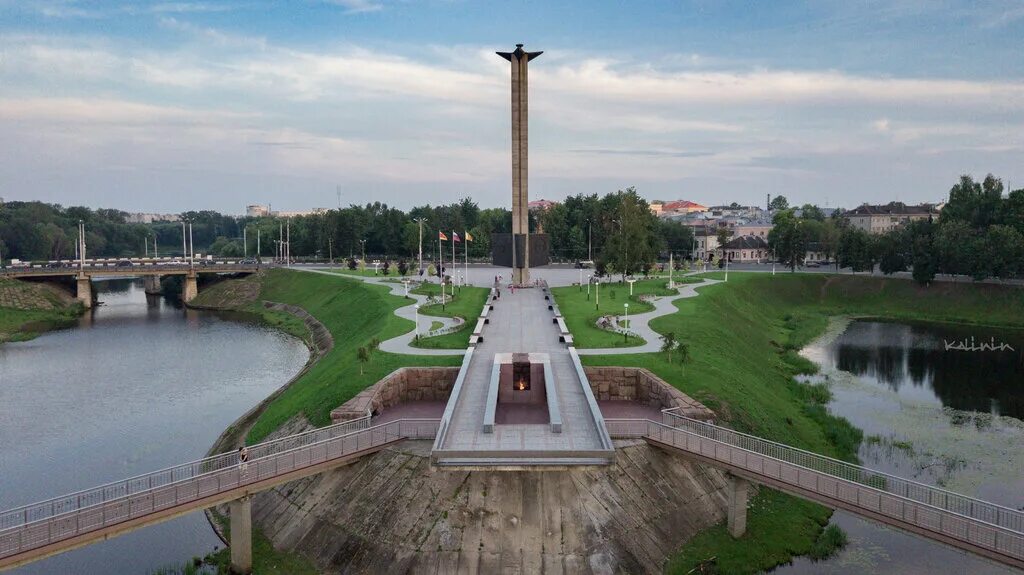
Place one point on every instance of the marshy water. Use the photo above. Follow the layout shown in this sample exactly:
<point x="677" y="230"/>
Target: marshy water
<point x="139" y="385"/>
<point x="936" y="406"/>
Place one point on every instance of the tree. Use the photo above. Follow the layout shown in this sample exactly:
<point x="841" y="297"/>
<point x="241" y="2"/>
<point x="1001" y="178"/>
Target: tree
<point x="633" y="242"/>
<point x="889" y="249"/>
<point x="363" y="355"/>
<point x="352" y="264"/>
<point x="385" y="267"/>
<point x="668" y="344"/>
<point x="812" y="212"/>
<point x="778" y="203"/>
<point x="723" y="238"/>
<point x="855" y="250"/>
<point x="403" y="268"/>
<point x="787" y="239"/>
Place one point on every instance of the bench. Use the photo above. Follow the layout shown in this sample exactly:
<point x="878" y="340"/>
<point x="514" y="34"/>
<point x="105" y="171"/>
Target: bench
<point x="475" y="339"/>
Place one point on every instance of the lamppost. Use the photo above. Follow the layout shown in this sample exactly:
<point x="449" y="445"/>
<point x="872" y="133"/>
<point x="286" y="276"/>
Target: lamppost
<point x="631" y="281"/>
<point x="581" y="278"/>
<point x="420" y="222"/>
<point x="363" y="243"/>
<point x="597" y="295"/>
<point x="590" y="278"/>
<point x="726" y="267"/>
<point x="406" y="283"/>
<point x="417" y="308"/>
<point x="625" y="322"/>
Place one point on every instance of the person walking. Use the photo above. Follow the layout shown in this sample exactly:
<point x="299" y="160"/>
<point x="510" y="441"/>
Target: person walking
<point x="243" y="459"/>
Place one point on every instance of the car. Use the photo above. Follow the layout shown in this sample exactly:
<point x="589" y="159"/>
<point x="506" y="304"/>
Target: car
<point x="582" y="265"/>
<point x="248" y="262"/>
<point x="812" y="265"/>
<point x="56" y="264"/>
<point x="124" y="264"/>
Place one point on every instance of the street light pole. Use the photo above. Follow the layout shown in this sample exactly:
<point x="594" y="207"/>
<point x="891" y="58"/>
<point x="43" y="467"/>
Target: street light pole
<point x="184" y="243"/>
<point x="597" y="295"/>
<point x="420" y="222"/>
<point x="417" y="308"/>
<point x="590" y="240"/>
<point x="245" y="241"/>
<point x="191" y="247"/>
<point x="625" y="323"/>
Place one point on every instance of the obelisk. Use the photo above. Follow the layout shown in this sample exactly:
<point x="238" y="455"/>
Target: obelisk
<point x="520" y="163"/>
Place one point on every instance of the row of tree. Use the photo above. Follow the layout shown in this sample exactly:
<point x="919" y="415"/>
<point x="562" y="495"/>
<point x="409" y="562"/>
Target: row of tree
<point x="978" y="233"/>
<point x="617" y="229"/>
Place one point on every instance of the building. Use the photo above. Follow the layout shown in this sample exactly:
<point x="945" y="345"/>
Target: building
<point x="261" y="211"/>
<point x="675" y="208"/>
<point x="738" y="211"/>
<point x="146" y="218"/>
<point x="759" y="228"/>
<point x="705" y="242"/>
<point x="540" y="204"/>
<point x="745" y="249"/>
<point x="815" y="253"/>
<point x="884" y="219"/>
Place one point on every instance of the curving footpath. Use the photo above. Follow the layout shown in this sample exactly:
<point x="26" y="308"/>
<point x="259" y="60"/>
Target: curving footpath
<point x="402" y="344"/>
<point x="640" y="323"/>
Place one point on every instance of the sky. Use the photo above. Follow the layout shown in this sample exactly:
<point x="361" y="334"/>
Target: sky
<point x="174" y="106"/>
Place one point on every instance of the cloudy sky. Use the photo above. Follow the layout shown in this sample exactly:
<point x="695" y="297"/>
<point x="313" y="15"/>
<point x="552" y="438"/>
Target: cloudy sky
<point x="170" y="106"/>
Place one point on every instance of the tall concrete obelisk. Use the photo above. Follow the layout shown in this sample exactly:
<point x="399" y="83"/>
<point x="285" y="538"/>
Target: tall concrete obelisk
<point x="520" y="163"/>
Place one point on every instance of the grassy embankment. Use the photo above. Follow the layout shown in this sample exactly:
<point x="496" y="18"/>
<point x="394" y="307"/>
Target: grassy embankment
<point x="581" y="312"/>
<point x="354" y="312"/>
<point x="744" y="336"/>
<point x="467" y="304"/>
<point x="28" y="309"/>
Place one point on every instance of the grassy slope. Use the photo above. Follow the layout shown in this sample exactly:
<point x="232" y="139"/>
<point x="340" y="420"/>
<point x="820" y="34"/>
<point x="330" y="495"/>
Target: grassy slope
<point x="581" y="315"/>
<point x="24" y="324"/>
<point x="467" y="304"/>
<point x="743" y="338"/>
<point x="354" y="312"/>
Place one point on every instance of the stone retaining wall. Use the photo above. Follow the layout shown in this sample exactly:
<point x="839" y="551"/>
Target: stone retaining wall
<point x="401" y="385"/>
<point x="638" y="384"/>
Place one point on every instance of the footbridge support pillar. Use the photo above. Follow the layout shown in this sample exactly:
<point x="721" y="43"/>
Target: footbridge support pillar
<point x="84" y="292"/>
<point x="152" y="285"/>
<point x="190" y="289"/>
<point x="241" y="535"/>
<point x="737" y="506"/>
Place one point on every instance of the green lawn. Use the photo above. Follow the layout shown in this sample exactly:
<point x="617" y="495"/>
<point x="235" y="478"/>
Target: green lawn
<point x="779" y="527"/>
<point x="744" y="336"/>
<point x="467" y="304"/>
<point x="581" y="313"/>
<point x="27" y="322"/>
<point x="354" y="312"/>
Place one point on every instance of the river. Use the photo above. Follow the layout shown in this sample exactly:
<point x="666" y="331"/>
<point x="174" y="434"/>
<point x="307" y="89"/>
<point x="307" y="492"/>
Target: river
<point x="936" y="407"/>
<point x="140" y="384"/>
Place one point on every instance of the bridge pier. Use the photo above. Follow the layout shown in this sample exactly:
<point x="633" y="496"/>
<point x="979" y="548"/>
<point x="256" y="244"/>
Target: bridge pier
<point x="152" y="285"/>
<point x="190" y="289"/>
<point x="241" y="535"/>
<point x="737" y="506"/>
<point x="84" y="292"/>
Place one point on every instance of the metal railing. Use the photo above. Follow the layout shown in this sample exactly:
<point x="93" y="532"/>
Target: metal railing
<point x="883" y="482"/>
<point x="967" y="522"/>
<point x="44" y="523"/>
<point x="104" y="493"/>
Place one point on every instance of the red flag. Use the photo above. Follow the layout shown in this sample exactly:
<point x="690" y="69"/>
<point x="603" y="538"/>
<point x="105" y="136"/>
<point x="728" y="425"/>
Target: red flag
<point x="441" y="236"/>
<point x="455" y="237"/>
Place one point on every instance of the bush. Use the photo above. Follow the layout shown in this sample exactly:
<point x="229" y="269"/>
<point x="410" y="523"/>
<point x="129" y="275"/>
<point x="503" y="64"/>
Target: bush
<point x="831" y="540"/>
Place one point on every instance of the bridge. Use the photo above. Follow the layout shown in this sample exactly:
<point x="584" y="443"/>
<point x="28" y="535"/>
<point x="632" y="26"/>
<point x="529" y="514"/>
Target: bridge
<point x="35" y="531"/>
<point x="151" y="269"/>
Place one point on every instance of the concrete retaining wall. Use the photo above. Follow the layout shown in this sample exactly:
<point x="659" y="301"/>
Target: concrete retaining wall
<point x="638" y="384"/>
<point x="401" y="385"/>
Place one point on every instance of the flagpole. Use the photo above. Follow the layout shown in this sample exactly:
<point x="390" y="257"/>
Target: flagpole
<point x="467" y="256"/>
<point x="454" y="263"/>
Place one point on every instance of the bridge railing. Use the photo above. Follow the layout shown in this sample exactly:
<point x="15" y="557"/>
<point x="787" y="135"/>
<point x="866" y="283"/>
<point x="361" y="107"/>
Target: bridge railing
<point x="119" y="489"/>
<point x="963" y="505"/>
<point x="49" y="522"/>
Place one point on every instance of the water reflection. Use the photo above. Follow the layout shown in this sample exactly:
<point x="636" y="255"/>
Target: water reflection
<point x="913" y="360"/>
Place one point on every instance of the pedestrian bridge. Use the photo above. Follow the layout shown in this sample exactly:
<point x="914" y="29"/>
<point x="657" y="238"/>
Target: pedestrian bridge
<point x="49" y="527"/>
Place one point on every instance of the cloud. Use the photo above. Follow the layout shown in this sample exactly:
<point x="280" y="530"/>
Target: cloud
<point x="358" y="6"/>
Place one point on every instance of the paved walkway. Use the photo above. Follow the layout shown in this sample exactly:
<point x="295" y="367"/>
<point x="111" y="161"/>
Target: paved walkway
<point x="403" y="343"/>
<point x="641" y="323"/>
<point x="521" y="323"/>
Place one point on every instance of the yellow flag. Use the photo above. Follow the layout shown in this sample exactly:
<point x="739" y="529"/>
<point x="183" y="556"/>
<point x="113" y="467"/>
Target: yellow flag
<point x="469" y="237"/>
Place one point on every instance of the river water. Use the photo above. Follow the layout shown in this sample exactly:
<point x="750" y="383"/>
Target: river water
<point x="139" y="385"/>
<point x="935" y="406"/>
